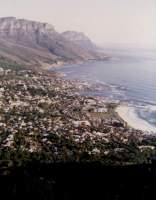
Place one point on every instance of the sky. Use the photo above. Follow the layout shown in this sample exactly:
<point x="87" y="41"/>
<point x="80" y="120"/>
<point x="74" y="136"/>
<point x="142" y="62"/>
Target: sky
<point x="104" y="21"/>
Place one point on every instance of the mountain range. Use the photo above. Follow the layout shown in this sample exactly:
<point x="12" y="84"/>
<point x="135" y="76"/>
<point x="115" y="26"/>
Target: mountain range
<point x="38" y="44"/>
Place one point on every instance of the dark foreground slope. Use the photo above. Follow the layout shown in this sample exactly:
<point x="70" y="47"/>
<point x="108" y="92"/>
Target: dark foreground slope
<point x="77" y="181"/>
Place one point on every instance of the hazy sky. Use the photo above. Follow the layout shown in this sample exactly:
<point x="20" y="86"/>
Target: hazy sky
<point x="111" y="21"/>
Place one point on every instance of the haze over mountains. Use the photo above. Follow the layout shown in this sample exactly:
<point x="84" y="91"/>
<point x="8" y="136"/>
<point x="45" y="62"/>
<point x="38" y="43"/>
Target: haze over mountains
<point x="80" y="39"/>
<point x="39" y="44"/>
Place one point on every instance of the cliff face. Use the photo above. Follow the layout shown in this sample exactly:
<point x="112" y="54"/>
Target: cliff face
<point x="12" y="27"/>
<point x="35" y="43"/>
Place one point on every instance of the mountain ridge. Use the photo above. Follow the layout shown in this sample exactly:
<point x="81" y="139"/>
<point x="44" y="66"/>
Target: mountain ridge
<point x="38" y="44"/>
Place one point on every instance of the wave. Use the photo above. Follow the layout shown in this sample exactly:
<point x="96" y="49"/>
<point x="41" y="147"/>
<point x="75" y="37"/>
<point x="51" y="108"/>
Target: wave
<point x="130" y="115"/>
<point x="148" y="113"/>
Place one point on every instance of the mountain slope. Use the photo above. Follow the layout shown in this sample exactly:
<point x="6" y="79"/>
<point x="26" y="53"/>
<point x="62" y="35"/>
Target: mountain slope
<point x="38" y="44"/>
<point x="80" y="39"/>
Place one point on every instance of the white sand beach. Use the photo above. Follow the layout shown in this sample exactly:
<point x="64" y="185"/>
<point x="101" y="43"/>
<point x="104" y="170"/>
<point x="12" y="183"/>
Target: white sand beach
<point x="128" y="114"/>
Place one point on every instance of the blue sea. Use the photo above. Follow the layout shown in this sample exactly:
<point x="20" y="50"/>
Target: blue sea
<point x="131" y="75"/>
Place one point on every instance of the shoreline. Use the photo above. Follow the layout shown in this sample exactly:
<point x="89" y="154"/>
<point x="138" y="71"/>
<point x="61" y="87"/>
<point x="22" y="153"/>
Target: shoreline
<point x="49" y="67"/>
<point x="127" y="113"/>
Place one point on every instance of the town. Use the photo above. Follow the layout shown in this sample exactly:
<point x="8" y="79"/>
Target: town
<point x="44" y="115"/>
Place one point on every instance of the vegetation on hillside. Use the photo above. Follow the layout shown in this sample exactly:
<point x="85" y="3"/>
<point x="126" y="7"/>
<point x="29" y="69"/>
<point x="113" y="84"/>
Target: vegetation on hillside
<point x="9" y="64"/>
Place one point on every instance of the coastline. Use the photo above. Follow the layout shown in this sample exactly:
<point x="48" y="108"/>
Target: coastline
<point x="49" y="67"/>
<point x="65" y="122"/>
<point x="127" y="113"/>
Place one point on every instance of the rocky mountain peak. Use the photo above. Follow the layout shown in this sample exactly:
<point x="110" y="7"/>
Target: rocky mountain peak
<point x="75" y="36"/>
<point x="80" y="39"/>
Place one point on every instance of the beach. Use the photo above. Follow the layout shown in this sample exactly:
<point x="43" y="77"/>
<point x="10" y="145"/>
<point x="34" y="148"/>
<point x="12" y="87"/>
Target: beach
<point x="128" y="114"/>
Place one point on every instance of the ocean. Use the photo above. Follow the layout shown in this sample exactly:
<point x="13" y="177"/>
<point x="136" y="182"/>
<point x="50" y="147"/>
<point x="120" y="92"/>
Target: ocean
<point x="131" y="75"/>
